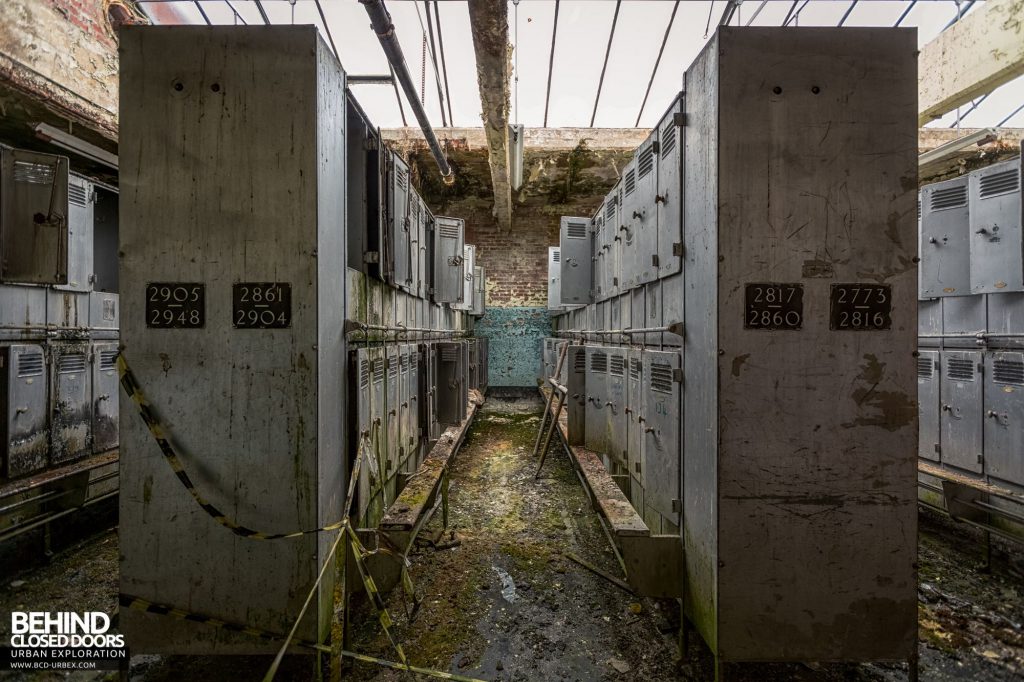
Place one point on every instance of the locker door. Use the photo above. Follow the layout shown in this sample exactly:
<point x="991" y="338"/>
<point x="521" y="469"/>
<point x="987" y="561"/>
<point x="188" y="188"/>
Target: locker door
<point x="33" y="186"/>
<point x="576" y="398"/>
<point x="961" y="393"/>
<point x="378" y="418"/>
<point x="616" y="411"/>
<point x="362" y="394"/>
<point x="1004" y="416"/>
<point x="611" y="223"/>
<point x="669" y="199"/>
<point x="26" y="433"/>
<point x="404" y="408"/>
<point x="393" y="412"/>
<point x="928" y="404"/>
<point x="600" y="254"/>
<point x="71" y="403"/>
<point x="415" y="227"/>
<point x="945" y="239"/>
<point x="645" y="214"/>
<point x="399" y="220"/>
<point x="634" y="427"/>
<point x="659" y="453"/>
<point x="464" y="380"/>
<point x="80" y="235"/>
<point x="479" y="291"/>
<point x="415" y="434"/>
<point x="630" y="232"/>
<point x="105" y="396"/>
<point x="996" y="255"/>
<point x="433" y="393"/>
<point x="449" y="383"/>
<point x="554" y="278"/>
<point x="597" y="388"/>
<point x="448" y="260"/>
<point x="575" y="247"/>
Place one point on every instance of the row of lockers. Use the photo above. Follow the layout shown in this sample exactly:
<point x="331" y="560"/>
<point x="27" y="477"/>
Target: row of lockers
<point x="59" y="402"/>
<point x="970" y="230"/>
<point x="957" y="320"/>
<point x="971" y="408"/>
<point x="28" y="311"/>
<point x="626" y="404"/>
<point x="404" y="396"/>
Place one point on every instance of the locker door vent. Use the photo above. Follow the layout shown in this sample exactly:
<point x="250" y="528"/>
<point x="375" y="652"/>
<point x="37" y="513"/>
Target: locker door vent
<point x="449" y="231"/>
<point x="925" y="367"/>
<point x="72" y="363"/>
<point x="403" y="178"/>
<point x="576" y="230"/>
<point x="378" y="371"/>
<point x="645" y="161"/>
<point x="1006" y="371"/>
<point x="668" y="138"/>
<point x="618" y="366"/>
<point x="77" y="195"/>
<point x="392" y="369"/>
<point x="451" y="353"/>
<point x="918" y="209"/>
<point x="960" y="369"/>
<point x="635" y="368"/>
<point x="364" y="374"/>
<point x="999" y="183"/>
<point x="108" y="360"/>
<point x="33" y="173"/>
<point x="661" y="378"/>
<point x="630" y="181"/>
<point x="403" y="363"/>
<point x="579" y="362"/>
<point x="609" y="209"/>
<point x="556" y="256"/>
<point x="30" y="365"/>
<point x="599" y="362"/>
<point x="948" y="197"/>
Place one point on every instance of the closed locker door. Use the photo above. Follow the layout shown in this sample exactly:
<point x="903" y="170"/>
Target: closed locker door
<point x="576" y="398"/>
<point x="464" y="378"/>
<point x="630" y="231"/>
<point x="80" y="235"/>
<point x="71" y="403"/>
<point x="996" y="261"/>
<point x="576" y="248"/>
<point x="615" y="235"/>
<point x="415" y="225"/>
<point x="104" y="397"/>
<point x="961" y="418"/>
<point x="449" y="380"/>
<point x="415" y="435"/>
<point x="616" y="405"/>
<point x="26" y="413"/>
<point x="393" y="411"/>
<point x="669" y="199"/>
<point x="660" y="442"/>
<point x="645" y="213"/>
<point x="1004" y="416"/>
<point x="634" y="427"/>
<point x="597" y="387"/>
<point x="378" y="417"/>
<point x="433" y="393"/>
<point x="928" y="404"/>
<point x="945" y="239"/>
<point x="600" y="256"/>
<point x="448" y="260"/>
<point x="404" y="407"/>
<point x="554" y="279"/>
<point x="364" y="418"/>
<point x="399" y="221"/>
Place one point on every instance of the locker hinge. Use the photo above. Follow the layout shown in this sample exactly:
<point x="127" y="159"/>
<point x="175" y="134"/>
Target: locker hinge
<point x="979" y="459"/>
<point x="677" y="375"/>
<point x="370" y="143"/>
<point x="656" y="147"/>
<point x="371" y="256"/>
<point x="677" y="249"/>
<point x="655" y="261"/>
<point x="679" y="118"/>
<point x="637" y="467"/>
<point x="938" y="449"/>
<point x="615" y="281"/>
<point x="677" y="506"/>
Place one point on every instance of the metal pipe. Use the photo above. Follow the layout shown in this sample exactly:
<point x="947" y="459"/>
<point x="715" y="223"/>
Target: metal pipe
<point x="380" y="20"/>
<point x="551" y="65"/>
<point x="674" y="328"/>
<point x="980" y="336"/>
<point x="433" y="61"/>
<point x="385" y="79"/>
<point x="657" y="62"/>
<point x="604" y="67"/>
<point x="444" y="65"/>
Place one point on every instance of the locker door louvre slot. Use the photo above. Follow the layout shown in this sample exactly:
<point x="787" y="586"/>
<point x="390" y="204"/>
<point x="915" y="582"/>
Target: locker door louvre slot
<point x="599" y="363"/>
<point x="960" y="369"/>
<point x="77" y="195"/>
<point x="72" y="363"/>
<point x="661" y="378"/>
<point x="30" y="365"/>
<point x="668" y="138"/>
<point x="576" y="230"/>
<point x="108" y="360"/>
<point x="1006" y="371"/>
<point x="925" y="368"/>
<point x="645" y="161"/>
<point x="618" y="366"/>
<point x="948" y="197"/>
<point x="999" y="183"/>
<point x="630" y="181"/>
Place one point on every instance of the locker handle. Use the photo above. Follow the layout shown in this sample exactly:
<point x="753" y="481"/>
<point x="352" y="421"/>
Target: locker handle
<point x="104" y="397"/>
<point x="20" y="410"/>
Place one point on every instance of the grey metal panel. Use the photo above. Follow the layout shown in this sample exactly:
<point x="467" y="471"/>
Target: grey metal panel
<point x="611" y="223"/>
<point x="361" y="383"/>
<point x="945" y="239"/>
<point x="630" y="232"/>
<point x="479" y="291"/>
<point x="577" y="265"/>
<point x="600" y="253"/>
<point x="554" y="279"/>
<point x="638" y="308"/>
<point x="614" y="313"/>
<point x="929" y="320"/>
<point x="433" y="391"/>
<point x="448" y="259"/>
<point x="928" y="381"/>
<point x="669" y="198"/>
<point x="33" y="217"/>
<point x="80" y="235"/>
<point x="597" y="396"/>
<point x="393" y="411"/>
<point x="653" y="316"/>
<point x="645" y="212"/>
<point x="378" y="419"/>
<point x="70" y="402"/>
<point x="22" y="307"/>
<point x="962" y="392"/>
<point x="416" y="226"/>
<point x="997" y="248"/>
<point x="281" y="473"/>
<point x="617" y="397"/>
<point x="1004" y="416"/>
<point x="464" y="379"/>
<point x="105" y="395"/>
<point x="67" y="309"/>
<point x="104" y="310"/>
<point x="634" y="408"/>
<point x="672" y="298"/>
<point x="468" y="263"/>
<point x="576" y="399"/>
<point x="473" y="376"/>
<point x="450" y="380"/>
<point x="399" y="220"/>
<point x="661" y="432"/>
<point x="1006" y="316"/>
<point x="26" y="436"/>
<point x="963" y="315"/>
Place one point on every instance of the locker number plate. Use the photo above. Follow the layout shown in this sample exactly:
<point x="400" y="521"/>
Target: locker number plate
<point x="774" y="306"/>
<point x="175" y="305"/>
<point x="861" y="307"/>
<point x="261" y="305"/>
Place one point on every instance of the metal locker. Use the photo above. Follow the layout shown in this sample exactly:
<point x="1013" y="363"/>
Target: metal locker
<point x="361" y="393"/>
<point x="415" y="228"/>
<point x="450" y="409"/>
<point x="1006" y="316"/>
<point x="929" y="322"/>
<point x="105" y="396"/>
<point x="610" y="222"/>
<point x="997" y="261"/>
<point x="464" y="374"/>
<point x="645" y="215"/>
<point x="599" y="258"/>
<point x="637" y="311"/>
<point x="575" y="248"/>
<point x="563" y="375"/>
<point x="614" y="314"/>
<point x="479" y="292"/>
<point x="928" y="404"/>
<point x="71" y="403"/>
<point x="393" y="416"/>
<point x="484" y="364"/>
<point x="961" y="393"/>
<point x="399" y="220"/>
<point x="471" y="346"/>
<point x="80" y="235"/>
<point x="634" y="427"/>
<point x="424" y="251"/>
<point x="26" y="436"/>
<point x="1004" y="416"/>
<point x="433" y="392"/>
<point x="554" y="279"/>
<point x="672" y="297"/>
<point x="448" y="259"/>
<point x="964" y="316"/>
<point x="629" y="232"/>
<point x="413" y="434"/>
<point x="378" y="416"/>
<point x="576" y="396"/>
<point x="661" y="432"/>
<point x="33" y="217"/>
<point x="404" y="409"/>
<point x="468" y="263"/>
<point x="617" y="389"/>
<point x="669" y="198"/>
<point x="597" y="396"/>
<point x="945" y="240"/>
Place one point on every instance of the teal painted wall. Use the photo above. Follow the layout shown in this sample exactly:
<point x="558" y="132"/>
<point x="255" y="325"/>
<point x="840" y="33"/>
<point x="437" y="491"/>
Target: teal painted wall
<point x="514" y="339"/>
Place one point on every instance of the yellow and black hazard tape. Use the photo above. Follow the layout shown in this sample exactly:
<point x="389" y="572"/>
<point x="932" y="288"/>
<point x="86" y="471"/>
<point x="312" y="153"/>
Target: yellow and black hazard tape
<point x="131" y="387"/>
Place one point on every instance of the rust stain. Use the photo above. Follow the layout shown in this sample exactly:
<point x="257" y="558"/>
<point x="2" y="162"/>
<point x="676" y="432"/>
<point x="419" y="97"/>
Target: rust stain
<point x="737" y="363"/>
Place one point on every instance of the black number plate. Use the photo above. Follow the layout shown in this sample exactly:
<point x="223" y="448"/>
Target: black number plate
<point x="261" y="305"/>
<point x="774" y="306"/>
<point x="861" y="307"/>
<point x="175" y="305"/>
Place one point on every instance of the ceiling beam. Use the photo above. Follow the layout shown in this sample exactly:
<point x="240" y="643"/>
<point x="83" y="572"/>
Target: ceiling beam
<point x="973" y="57"/>
<point x="489" y="21"/>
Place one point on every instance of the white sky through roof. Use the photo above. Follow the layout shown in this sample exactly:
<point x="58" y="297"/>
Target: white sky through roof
<point x="583" y="28"/>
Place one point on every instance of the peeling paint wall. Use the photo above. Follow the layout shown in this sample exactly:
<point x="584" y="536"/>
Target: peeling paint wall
<point x="514" y="335"/>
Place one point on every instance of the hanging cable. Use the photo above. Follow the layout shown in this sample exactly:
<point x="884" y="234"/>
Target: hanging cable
<point x="433" y="63"/>
<point x="607" y="52"/>
<point x="846" y="15"/>
<point x="1012" y="114"/>
<point x="423" y="71"/>
<point x="327" y="30"/>
<point x="238" y="17"/>
<point x="796" y="17"/>
<point x="433" y="58"/>
<point x="707" y="26"/>
<point x="657" y="62"/>
<point x="756" y="12"/>
<point x="263" y="12"/>
<point x="292" y="3"/>
<point x="202" y="13"/>
<point x="551" y="65"/>
<point x="398" y="97"/>
<point x="905" y="13"/>
<point x="444" y="64"/>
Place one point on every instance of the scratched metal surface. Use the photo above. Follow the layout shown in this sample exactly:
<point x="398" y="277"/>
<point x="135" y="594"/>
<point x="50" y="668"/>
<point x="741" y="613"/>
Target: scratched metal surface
<point x="514" y="335"/>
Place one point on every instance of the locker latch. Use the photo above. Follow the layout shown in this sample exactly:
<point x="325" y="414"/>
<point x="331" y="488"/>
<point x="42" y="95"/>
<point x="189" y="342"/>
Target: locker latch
<point x="371" y="256"/>
<point x="655" y="261"/>
<point x="677" y="248"/>
<point x="677" y="375"/>
<point x="679" y="118"/>
<point x="656" y="147"/>
<point x="677" y="506"/>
